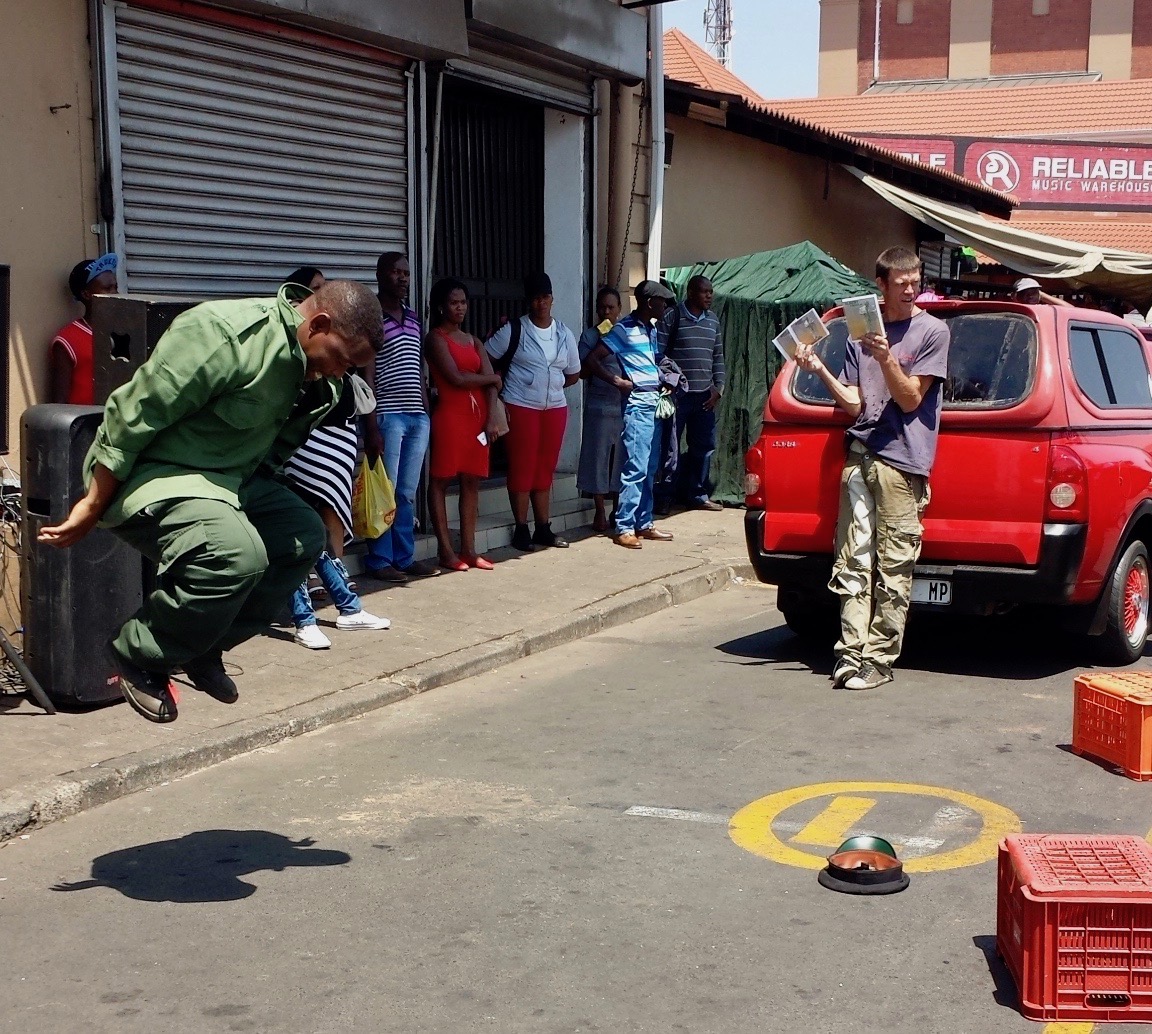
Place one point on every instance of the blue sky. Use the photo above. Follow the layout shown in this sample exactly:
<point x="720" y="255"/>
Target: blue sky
<point x="776" y="43"/>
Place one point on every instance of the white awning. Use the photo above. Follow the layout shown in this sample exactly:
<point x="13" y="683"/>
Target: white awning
<point x="1125" y="274"/>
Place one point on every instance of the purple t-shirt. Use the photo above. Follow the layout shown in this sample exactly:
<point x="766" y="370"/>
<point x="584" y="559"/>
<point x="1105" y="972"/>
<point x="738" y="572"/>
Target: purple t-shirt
<point x="906" y="441"/>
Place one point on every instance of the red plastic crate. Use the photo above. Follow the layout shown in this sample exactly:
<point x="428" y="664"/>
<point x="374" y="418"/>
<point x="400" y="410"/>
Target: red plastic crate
<point x="1074" y="925"/>
<point x="1112" y="720"/>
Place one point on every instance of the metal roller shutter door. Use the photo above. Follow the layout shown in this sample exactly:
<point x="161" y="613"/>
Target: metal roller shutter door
<point x="242" y="156"/>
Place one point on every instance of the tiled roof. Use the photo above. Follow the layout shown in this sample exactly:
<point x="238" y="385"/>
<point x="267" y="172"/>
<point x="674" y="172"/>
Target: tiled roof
<point x="1122" y="234"/>
<point x="1100" y="110"/>
<point x="688" y="62"/>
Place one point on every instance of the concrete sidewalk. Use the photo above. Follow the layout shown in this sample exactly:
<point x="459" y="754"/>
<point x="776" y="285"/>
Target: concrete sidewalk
<point x="444" y="629"/>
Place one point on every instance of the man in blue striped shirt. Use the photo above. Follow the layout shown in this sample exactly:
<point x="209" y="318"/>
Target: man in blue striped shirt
<point x="690" y="336"/>
<point x="634" y="342"/>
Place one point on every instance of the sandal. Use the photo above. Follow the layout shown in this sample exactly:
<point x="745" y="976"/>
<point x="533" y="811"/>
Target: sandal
<point x="481" y="563"/>
<point x="455" y="565"/>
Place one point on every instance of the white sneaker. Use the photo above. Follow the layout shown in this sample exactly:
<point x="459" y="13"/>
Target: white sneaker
<point x="311" y="638"/>
<point x="361" y="622"/>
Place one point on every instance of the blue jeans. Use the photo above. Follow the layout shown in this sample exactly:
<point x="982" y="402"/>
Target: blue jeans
<point x="699" y="425"/>
<point x="641" y="458"/>
<point x="335" y="579"/>
<point x="405" y="443"/>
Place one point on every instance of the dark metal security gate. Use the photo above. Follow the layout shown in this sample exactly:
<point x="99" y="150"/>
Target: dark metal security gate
<point x="490" y="206"/>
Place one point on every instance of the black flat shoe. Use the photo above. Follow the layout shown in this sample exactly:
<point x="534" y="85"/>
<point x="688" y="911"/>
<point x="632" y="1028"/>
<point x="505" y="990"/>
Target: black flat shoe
<point x="207" y="674"/>
<point x="545" y="536"/>
<point x="522" y="539"/>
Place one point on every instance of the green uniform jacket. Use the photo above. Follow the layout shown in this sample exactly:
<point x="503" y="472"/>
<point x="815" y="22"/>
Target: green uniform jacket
<point x="211" y="404"/>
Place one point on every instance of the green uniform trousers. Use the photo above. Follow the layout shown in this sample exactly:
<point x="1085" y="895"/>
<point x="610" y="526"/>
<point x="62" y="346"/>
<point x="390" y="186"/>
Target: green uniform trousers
<point x="223" y="574"/>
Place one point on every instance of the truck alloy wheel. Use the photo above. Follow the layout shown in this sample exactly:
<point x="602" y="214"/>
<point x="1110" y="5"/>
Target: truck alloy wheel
<point x="1127" y="630"/>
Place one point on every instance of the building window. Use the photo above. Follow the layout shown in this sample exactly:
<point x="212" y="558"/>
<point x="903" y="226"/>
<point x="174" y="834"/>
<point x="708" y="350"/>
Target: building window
<point x="1040" y="7"/>
<point x="904" y="12"/>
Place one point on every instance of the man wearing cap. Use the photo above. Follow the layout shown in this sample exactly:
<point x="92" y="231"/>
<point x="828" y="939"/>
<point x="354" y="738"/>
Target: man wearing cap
<point x="1028" y="292"/>
<point x="184" y="470"/>
<point x="70" y="377"/>
<point x="633" y="340"/>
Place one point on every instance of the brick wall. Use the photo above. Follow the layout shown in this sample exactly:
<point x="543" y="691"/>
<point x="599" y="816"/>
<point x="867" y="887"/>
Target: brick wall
<point x="1141" y="40"/>
<point x="1056" y="42"/>
<point x="915" y="51"/>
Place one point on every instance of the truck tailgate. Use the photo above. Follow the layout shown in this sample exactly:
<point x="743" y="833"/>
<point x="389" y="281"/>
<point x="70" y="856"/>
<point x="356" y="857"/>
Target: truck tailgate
<point x="802" y="465"/>
<point x="988" y="497"/>
<point x="972" y="516"/>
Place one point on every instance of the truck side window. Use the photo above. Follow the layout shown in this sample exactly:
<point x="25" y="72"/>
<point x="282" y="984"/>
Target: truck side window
<point x="991" y="362"/>
<point x="991" y="359"/>
<point x="1110" y="368"/>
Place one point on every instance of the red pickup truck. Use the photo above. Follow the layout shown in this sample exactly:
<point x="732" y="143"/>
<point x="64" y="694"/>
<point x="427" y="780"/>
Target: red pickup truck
<point x="1041" y="491"/>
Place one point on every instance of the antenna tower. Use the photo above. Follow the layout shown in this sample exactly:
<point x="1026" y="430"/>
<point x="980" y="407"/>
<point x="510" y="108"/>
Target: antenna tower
<point x="718" y="30"/>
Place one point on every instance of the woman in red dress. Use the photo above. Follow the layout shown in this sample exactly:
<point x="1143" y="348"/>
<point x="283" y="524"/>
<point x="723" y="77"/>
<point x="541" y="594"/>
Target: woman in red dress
<point x="462" y="421"/>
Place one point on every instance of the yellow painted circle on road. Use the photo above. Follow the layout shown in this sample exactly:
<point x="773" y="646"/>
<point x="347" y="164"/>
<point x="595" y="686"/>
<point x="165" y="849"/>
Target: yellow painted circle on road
<point x="751" y="827"/>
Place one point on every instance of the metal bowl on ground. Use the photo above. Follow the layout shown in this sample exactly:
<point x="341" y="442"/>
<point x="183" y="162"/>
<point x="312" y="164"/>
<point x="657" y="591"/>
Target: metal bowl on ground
<point x="855" y="869"/>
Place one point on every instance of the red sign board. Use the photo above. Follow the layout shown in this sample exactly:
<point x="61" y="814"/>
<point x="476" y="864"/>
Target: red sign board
<point x="1041" y="173"/>
<point x="1056" y="173"/>
<point x="937" y="152"/>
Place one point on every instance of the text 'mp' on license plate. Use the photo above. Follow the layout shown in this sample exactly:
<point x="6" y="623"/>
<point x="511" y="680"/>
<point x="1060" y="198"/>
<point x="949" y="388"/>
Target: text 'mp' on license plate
<point x="934" y="591"/>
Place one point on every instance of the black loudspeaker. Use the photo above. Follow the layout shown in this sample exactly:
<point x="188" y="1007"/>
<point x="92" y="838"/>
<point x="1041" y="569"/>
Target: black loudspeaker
<point x="75" y="599"/>
<point x="124" y="332"/>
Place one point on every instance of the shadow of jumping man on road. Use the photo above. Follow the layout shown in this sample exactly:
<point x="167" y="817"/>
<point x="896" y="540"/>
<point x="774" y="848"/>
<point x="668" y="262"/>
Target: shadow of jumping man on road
<point x="201" y="867"/>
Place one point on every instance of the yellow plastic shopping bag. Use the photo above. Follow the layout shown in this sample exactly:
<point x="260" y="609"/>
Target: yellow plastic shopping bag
<point x="373" y="501"/>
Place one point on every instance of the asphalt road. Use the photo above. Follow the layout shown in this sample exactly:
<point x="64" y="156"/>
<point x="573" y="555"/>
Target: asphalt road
<point x="547" y="849"/>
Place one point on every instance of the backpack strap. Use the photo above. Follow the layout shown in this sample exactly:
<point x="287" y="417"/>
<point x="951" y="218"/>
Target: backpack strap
<point x="502" y="365"/>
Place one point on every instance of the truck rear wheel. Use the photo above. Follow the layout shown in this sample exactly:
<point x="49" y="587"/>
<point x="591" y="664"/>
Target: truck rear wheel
<point x="1127" y="629"/>
<point x="811" y="622"/>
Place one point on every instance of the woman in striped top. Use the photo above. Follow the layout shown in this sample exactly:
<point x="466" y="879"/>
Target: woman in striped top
<point x="321" y="471"/>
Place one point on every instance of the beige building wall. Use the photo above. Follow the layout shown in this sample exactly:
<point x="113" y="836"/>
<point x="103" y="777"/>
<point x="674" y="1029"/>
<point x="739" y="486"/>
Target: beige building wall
<point x="622" y="201"/>
<point x="728" y="195"/>
<point x="839" y="42"/>
<point x="47" y="167"/>
<point x="970" y="45"/>
<point x="1110" y="45"/>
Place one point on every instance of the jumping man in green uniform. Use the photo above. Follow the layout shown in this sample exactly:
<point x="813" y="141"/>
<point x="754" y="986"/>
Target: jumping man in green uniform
<point x="184" y="469"/>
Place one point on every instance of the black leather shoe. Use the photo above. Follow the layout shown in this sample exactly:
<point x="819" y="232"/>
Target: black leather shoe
<point x="207" y="674"/>
<point x="545" y="536"/>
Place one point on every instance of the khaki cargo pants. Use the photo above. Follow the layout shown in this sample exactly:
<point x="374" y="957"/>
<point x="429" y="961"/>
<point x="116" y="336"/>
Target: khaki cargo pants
<point x="878" y="536"/>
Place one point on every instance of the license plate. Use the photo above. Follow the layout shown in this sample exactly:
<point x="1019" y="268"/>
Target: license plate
<point x="935" y="591"/>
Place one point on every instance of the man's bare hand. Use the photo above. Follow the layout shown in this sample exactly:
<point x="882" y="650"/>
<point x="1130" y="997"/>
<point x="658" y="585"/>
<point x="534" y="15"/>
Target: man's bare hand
<point x="876" y="345"/>
<point x="75" y="526"/>
<point x="712" y="399"/>
<point x="807" y="359"/>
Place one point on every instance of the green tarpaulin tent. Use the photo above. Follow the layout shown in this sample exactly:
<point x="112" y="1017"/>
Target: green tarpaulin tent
<point x="756" y="296"/>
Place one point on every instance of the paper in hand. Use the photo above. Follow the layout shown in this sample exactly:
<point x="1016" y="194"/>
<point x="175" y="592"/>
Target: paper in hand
<point x="807" y="329"/>
<point x="862" y="314"/>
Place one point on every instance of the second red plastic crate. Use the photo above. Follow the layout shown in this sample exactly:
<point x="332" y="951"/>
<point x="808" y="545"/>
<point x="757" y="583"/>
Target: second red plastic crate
<point x="1112" y="720"/>
<point x="1074" y="925"/>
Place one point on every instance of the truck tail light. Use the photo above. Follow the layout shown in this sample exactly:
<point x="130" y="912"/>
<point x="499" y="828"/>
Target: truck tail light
<point x="753" y="483"/>
<point x="1067" y="487"/>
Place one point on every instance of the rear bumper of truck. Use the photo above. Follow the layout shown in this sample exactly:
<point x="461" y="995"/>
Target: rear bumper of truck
<point x="976" y="588"/>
